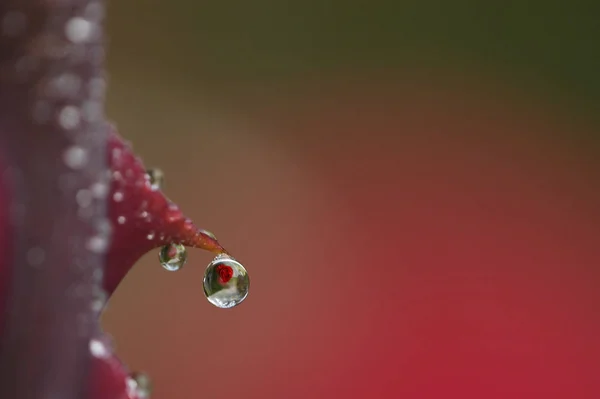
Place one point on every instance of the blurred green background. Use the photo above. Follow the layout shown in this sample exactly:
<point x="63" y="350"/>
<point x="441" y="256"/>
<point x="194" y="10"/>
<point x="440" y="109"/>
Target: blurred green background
<point x="261" y="114"/>
<point x="547" y="46"/>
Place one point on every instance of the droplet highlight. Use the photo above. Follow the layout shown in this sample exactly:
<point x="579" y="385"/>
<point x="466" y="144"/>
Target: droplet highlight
<point x="208" y="233"/>
<point x="118" y="196"/>
<point x="98" y="244"/>
<point x="75" y="157"/>
<point x="172" y="257"/>
<point x="139" y="385"/>
<point x="69" y="117"/>
<point x="156" y="177"/>
<point x="226" y="282"/>
<point x="99" y="349"/>
<point x="78" y="30"/>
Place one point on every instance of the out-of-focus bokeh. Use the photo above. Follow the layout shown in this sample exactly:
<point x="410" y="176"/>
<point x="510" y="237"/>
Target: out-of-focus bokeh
<point x="412" y="185"/>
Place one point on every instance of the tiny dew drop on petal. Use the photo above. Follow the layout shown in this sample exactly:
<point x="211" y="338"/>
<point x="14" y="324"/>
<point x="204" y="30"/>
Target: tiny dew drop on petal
<point x="156" y="178"/>
<point x="139" y="385"/>
<point x="172" y="257"/>
<point x="226" y="282"/>
<point x="208" y="233"/>
<point x="118" y="196"/>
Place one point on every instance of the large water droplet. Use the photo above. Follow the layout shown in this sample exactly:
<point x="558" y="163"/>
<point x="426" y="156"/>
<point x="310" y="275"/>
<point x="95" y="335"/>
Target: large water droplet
<point x="172" y="257"/>
<point x="156" y="178"/>
<point x="226" y="282"/>
<point x="139" y="385"/>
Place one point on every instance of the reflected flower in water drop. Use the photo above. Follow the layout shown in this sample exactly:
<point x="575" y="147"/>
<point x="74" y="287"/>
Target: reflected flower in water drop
<point x="226" y="282"/>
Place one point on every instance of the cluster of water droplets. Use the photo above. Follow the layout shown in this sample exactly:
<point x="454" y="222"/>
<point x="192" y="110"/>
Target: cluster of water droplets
<point x="226" y="281"/>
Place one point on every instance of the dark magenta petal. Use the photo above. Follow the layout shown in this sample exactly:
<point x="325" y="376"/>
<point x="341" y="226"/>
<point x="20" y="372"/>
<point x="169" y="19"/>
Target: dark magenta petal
<point x="5" y="247"/>
<point x="76" y="210"/>
<point x="53" y="147"/>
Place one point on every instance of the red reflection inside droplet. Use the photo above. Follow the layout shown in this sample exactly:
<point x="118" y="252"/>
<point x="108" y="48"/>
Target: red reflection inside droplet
<point x="172" y="252"/>
<point x="225" y="273"/>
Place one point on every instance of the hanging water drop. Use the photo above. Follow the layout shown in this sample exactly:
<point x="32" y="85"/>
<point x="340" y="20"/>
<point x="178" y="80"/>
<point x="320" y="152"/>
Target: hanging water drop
<point x="156" y="178"/>
<point x="172" y="257"/>
<point x="226" y="282"/>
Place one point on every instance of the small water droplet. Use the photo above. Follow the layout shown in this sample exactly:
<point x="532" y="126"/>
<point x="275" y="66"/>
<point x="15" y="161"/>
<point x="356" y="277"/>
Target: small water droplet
<point x="99" y="299"/>
<point x="100" y="189"/>
<point x="208" y="233"/>
<point x="98" y="244"/>
<point x="75" y="157"/>
<point x="226" y="282"/>
<point x="69" y="117"/>
<point x="156" y="177"/>
<point x="172" y="257"/>
<point x="121" y="220"/>
<point x="118" y="196"/>
<point x="173" y="216"/>
<point x="99" y="349"/>
<point x="139" y="385"/>
<point x="78" y="29"/>
<point x="150" y="235"/>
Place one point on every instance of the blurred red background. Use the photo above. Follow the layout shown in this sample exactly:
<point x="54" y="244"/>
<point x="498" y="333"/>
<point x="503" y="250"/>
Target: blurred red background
<point x="409" y="234"/>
